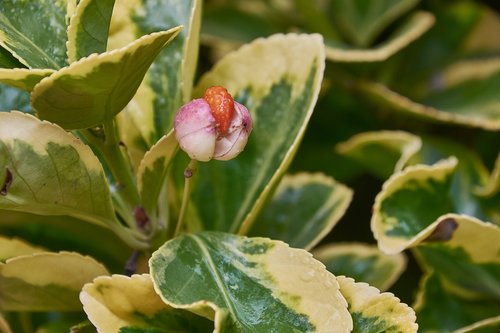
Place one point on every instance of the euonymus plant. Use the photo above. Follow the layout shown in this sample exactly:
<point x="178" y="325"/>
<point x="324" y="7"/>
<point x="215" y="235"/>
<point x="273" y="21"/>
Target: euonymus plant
<point x="138" y="196"/>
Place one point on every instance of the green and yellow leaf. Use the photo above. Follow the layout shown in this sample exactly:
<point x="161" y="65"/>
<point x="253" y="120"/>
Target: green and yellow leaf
<point x="35" y="31"/>
<point x="49" y="281"/>
<point x="23" y="78"/>
<point x="382" y="152"/>
<point x="412" y="29"/>
<point x="294" y="291"/>
<point x="46" y="170"/>
<point x="153" y="170"/>
<point x="362" y="262"/>
<point x="13" y="247"/>
<point x="375" y="312"/>
<point x="93" y="90"/>
<point x="278" y="79"/>
<point x="304" y="209"/>
<point x="7" y="60"/>
<point x="433" y="306"/>
<point x="88" y="28"/>
<point x="120" y="303"/>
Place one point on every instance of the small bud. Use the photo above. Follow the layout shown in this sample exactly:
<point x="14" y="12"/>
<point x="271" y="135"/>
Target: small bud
<point x="213" y="127"/>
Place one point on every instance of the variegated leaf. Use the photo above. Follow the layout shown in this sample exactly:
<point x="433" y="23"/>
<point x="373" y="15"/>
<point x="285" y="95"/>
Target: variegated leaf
<point x="95" y="89"/>
<point x="288" y="290"/>
<point x="303" y="211"/>
<point x="362" y="262"/>
<point x="23" y="78"/>
<point x="381" y="152"/>
<point x="88" y="29"/>
<point x="35" y="31"/>
<point x="433" y="306"/>
<point x="13" y="247"/>
<point x="169" y="81"/>
<point x="45" y="170"/>
<point x="153" y="170"/>
<point x="413" y="28"/>
<point x="49" y="281"/>
<point x="7" y="60"/>
<point x="363" y="21"/>
<point x="130" y="304"/>
<point x="278" y="79"/>
<point x="467" y="96"/>
<point x="375" y="312"/>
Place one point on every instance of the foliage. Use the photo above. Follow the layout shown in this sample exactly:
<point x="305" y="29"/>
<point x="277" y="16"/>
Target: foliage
<point x="94" y="190"/>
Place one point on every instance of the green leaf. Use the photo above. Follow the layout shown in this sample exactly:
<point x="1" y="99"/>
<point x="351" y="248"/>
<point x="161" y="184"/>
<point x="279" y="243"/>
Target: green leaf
<point x="381" y="152"/>
<point x="375" y="312"/>
<point x="12" y="247"/>
<point x="169" y="82"/>
<point x="88" y="29"/>
<point x="55" y="286"/>
<point x="278" y="79"/>
<point x="438" y="310"/>
<point x="130" y="304"/>
<point x="7" y="60"/>
<point x="412" y="29"/>
<point x="45" y="170"/>
<point x="153" y="170"/>
<point x="35" y="31"/>
<point x="259" y="284"/>
<point x="489" y="325"/>
<point x="303" y="211"/>
<point x="362" y="262"/>
<point x="362" y="21"/>
<point x="23" y="78"/>
<point x="94" y="89"/>
<point x="410" y="202"/>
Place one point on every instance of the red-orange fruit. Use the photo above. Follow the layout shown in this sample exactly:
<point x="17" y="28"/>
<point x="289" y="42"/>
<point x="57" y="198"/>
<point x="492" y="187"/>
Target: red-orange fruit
<point x="222" y="106"/>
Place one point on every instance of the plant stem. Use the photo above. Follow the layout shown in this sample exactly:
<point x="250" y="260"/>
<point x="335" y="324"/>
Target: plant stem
<point x="188" y="174"/>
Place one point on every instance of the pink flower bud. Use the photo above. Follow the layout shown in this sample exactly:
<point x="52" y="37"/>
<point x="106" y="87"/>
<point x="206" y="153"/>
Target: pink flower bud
<point x="213" y="127"/>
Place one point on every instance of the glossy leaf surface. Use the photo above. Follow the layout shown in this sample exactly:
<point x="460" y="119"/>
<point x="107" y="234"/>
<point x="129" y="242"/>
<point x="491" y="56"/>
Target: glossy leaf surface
<point x="22" y="78"/>
<point x="375" y="312"/>
<point x="304" y="209"/>
<point x="120" y="303"/>
<point x="290" y="290"/>
<point x="88" y="29"/>
<point x="362" y="262"/>
<point x="55" y="286"/>
<point x="94" y="89"/>
<point x="278" y="80"/>
<point x="45" y="170"/>
<point x="35" y="31"/>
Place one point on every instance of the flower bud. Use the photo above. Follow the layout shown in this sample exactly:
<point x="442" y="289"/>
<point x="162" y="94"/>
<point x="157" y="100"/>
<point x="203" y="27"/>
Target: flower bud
<point x="213" y="127"/>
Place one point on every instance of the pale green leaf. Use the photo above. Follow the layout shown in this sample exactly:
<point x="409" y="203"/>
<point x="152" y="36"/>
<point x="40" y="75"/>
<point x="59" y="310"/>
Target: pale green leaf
<point x="153" y="170"/>
<point x="434" y="303"/>
<point x="259" y="284"/>
<point x="412" y="29"/>
<point x="35" y="31"/>
<point x="278" y="79"/>
<point x="304" y="209"/>
<point x="492" y="185"/>
<point x="56" y="284"/>
<point x="362" y="262"/>
<point x="375" y="312"/>
<point x="45" y="170"/>
<point x="381" y="152"/>
<point x="362" y="21"/>
<point x="94" y="89"/>
<point x="13" y="247"/>
<point x="23" y="78"/>
<point x="88" y="29"/>
<point x="169" y="81"/>
<point x="130" y="304"/>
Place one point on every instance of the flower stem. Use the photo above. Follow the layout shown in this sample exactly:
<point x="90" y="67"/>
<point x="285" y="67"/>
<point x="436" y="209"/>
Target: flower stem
<point x="188" y="174"/>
